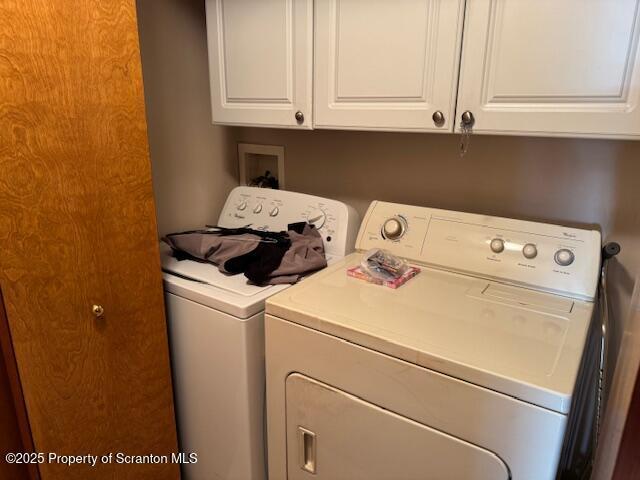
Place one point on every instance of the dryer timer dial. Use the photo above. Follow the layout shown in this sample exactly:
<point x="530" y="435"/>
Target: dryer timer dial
<point x="394" y="228"/>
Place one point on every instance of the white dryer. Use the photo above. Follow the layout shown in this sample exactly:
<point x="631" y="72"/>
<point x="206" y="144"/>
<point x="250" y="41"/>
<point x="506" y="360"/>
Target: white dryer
<point x="465" y="372"/>
<point x="216" y="334"/>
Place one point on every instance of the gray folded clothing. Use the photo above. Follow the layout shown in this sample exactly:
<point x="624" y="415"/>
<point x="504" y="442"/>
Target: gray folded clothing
<point x="264" y="257"/>
<point x="306" y="254"/>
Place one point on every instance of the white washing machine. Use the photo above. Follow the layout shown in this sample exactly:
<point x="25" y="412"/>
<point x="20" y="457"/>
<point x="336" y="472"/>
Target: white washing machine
<point x="465" y="372"/>
<point x="216" y="333"/>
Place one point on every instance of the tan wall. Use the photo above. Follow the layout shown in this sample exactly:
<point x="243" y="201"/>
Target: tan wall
<point x="571" y="181"/>
<point x="585" y="183"/>
<point x="575" y="181"/>
<point x="194" y="164"/>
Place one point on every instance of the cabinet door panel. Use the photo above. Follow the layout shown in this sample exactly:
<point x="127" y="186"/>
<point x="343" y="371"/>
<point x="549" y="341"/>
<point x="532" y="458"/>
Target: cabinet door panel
<point x="552" y="68"/>
<point x="386" y="65"/>
<point x="260" y="54"/>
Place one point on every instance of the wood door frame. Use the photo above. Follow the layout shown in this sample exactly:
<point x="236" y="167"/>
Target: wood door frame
<point x="20" y="408"/>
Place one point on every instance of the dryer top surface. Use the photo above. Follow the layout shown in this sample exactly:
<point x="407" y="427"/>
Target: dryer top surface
<point x="517" y="341"/>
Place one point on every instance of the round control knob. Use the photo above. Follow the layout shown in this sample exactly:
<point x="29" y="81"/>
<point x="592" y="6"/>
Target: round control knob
<point x="530" y="250"/>
<point x="393" y="228"/>
<point x="257" y="208"/>
<point x="274" y="211"/>
<point x="564" y="257"/>
<point x="316" y="218"/>
<point x="497" y="245"/>
<point x="242" y="206"/>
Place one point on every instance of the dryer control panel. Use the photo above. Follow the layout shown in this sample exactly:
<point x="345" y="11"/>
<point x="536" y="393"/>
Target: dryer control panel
<point x="542" y="256"/>
<point x="273" y="210"/>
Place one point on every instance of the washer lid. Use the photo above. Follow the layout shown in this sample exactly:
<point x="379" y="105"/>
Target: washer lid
<point x="513" y="340"/>
<point x="203" y="283"/>
<point x="209" y="274"/>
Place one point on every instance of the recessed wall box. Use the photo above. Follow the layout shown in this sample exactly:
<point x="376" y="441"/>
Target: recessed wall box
<point x="256" y="160"/>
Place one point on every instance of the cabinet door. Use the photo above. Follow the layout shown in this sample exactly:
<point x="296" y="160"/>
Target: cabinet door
<point x="332" y="435"/>
<point x="386" y="65"/>
<point x="77" y="229"/>
<point x="260" y="62"/>
<point x="568" y="68"/>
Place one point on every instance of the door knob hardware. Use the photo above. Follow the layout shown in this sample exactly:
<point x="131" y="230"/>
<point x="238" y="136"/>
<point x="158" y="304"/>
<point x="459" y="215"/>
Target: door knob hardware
<point x="299" y="117"/>
<point x="98" y="310"/>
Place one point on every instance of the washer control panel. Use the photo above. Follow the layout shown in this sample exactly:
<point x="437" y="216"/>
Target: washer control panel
<point x="273" y="210"/>
<point x="546" y="257"/>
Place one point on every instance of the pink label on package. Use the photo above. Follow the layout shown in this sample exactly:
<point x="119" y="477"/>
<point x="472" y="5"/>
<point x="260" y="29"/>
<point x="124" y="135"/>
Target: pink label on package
<point x="357" y="272"/>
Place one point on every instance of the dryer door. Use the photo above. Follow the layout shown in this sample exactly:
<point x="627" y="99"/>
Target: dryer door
<point x="333" y="435"/>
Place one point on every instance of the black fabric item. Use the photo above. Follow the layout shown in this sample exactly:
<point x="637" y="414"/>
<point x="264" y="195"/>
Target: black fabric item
<point x="182" y="255"/>
<point x="258" y="264"/>
<point x="297" y="227"/>
<point x="224" y="232"/>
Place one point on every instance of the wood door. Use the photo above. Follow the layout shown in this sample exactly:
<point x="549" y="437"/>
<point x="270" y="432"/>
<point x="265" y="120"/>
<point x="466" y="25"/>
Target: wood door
<point x="260" y="61"/>
<point x="77" y="228"/>
<point x="383" y="65"/>
<point x="545" y="67"/>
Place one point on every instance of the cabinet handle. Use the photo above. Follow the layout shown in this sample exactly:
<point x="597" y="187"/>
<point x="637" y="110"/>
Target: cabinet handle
<point x="299" y="117"/>
<point x="98" y="310"/>
<point x="438" y="118"/>
<point x="307" y="449"/>
<point x="466" y="128"/>
<point x="467" y="119"/>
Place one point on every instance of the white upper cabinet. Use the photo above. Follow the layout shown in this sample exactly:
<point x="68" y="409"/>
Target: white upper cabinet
<point x="549" y="67"/>
<point x="387" y="65"/>
<point x="260" y="62"/>
<point x="524" y="67"/>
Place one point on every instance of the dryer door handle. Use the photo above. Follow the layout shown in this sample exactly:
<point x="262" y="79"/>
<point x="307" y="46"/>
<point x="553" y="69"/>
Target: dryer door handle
<point x="307" y="449"/>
